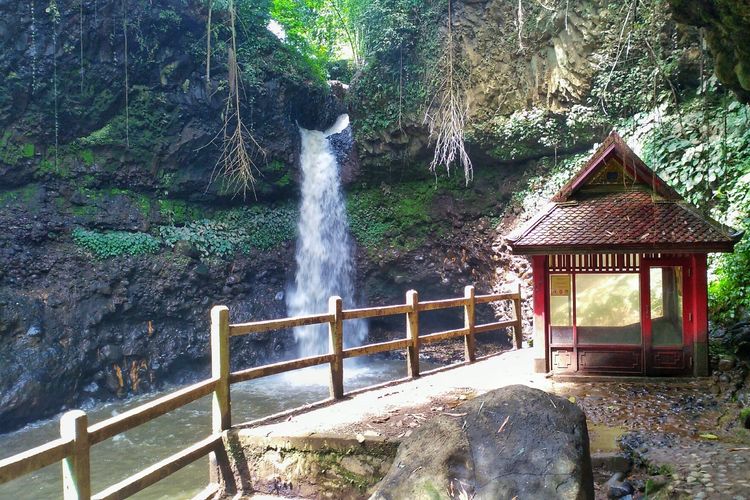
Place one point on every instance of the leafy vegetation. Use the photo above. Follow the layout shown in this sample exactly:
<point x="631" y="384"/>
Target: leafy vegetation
<point x="237" y="230"/>
<point x="115" y="243"/>
<point x="703" y="150"/>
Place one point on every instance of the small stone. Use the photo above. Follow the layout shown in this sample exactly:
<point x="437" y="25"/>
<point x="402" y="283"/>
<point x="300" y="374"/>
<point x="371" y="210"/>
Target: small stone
<point x="34" y="331"/>
<point x="617" y="488"/>
<point x="279" y="296"/>
<point x="92" y="387"/>
<point x="726" y="364"/>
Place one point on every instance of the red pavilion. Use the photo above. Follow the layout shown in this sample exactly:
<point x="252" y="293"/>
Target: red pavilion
<point x="619" y="266"/>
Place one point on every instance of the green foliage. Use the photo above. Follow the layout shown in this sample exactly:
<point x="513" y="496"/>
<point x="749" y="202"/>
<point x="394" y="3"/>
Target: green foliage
<point x="704" y="153"/>
<point x="529" y="132"/>
<point x="236" y="230"/>
<point x="24" y="195"/>
<point x="87" y="156"/>
<point x="638" y="67"/>
<point x="729" y="293"/>
<point x="104" y="245"/>
<point x="400" y="47"/>
<point x="11" y="152"/>
<point x="150" y="117"/>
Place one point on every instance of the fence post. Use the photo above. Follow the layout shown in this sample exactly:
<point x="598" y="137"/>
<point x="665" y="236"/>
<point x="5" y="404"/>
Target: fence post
<point x="336" y="343"/>
<point x="412" y="333"/>
<point x="470" y="349"/>
<point x="221" y="413"/>
<point x="221" y="416"/>
<point x="518" y="327"/>
<point x="76" y="468"/>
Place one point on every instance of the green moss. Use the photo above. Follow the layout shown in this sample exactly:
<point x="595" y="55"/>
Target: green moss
<point x="178" y="212"/>
<point x="86" y="211"/>
<point x="150" y="117"/>
<point x="87" y="156"/>
<point x="12" y="152"/>
<point x="745" y="416"/>
<point x="24" y="195"/>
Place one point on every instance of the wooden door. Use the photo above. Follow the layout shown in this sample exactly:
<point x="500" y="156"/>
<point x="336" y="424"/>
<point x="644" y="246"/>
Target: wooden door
<point x="666" y="317"/>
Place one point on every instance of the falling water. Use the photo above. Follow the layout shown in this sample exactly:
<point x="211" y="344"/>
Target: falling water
<point x="324" y="251"/>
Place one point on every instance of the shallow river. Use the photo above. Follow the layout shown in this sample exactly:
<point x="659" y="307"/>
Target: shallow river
<point x="125" y="454"/>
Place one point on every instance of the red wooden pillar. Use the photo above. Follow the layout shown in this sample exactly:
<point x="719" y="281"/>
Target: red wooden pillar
<point x="698" y="268"/>
<point x="541" y="341"/>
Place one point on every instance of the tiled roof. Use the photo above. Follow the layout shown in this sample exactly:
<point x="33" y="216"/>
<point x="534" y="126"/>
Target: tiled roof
<point x="622" y="220"/>
<point x="637" y="212"/>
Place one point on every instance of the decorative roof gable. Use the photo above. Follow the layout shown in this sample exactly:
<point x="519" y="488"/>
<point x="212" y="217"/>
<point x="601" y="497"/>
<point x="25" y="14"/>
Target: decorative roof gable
<point x="614" y="156"/>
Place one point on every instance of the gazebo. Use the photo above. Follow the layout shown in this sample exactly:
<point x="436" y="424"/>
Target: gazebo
<point x="619" y="270"/>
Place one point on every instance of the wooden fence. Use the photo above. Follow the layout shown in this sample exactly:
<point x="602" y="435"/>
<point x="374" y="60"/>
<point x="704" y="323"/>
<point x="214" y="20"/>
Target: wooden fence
<point x="77" y="436"/>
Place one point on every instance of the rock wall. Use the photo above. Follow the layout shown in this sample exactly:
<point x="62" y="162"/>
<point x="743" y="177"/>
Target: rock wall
<point x="726" y="27"/>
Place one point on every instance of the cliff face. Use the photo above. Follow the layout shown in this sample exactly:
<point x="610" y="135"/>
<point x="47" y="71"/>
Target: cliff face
<point x="726" y="24"/>
<point x="95" y="297"/>
<point x="541" y="79"/>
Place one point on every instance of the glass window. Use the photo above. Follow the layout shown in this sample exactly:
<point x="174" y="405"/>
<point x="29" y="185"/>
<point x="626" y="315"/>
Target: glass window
<point x="561" y="309"/>
<point x="608" y="308"/>
<point x="666" y="306"/>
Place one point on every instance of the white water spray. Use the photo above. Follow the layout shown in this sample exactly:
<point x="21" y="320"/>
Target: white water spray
<point x="324" y="251"/>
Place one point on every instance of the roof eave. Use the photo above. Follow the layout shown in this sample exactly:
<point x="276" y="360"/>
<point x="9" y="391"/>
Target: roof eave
<point x="708" y="247"/>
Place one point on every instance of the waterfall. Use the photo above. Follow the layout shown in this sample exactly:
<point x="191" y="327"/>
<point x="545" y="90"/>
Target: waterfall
<point x="325" y="266"/>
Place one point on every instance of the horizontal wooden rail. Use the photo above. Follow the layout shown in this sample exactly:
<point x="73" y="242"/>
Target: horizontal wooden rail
<point x="34" y="459"/>
<point x="489" y="327"/>
<point x="160" y="470"/>
<point x="441" y="304"/>
<point x="391" y="345"/>
<point x="149" y="411"/>
<point x="284" y="366"/>
<point x="375" y="312"/>
<point x="484" y="299"/>
<point x="278" y="324"/>
<point x="445" y="335"/>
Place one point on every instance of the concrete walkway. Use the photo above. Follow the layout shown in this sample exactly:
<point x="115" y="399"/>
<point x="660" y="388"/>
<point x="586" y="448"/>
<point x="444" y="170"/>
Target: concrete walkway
<point x="373" y="412"/>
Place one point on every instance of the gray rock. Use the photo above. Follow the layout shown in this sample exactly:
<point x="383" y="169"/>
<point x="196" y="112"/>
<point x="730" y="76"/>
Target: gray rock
<point x="34" y="331"/>
<point x="112" y="352"/>
<point x="726" y="364"/>
<point x="617" y="487"/>
<point x="513" y="442"/>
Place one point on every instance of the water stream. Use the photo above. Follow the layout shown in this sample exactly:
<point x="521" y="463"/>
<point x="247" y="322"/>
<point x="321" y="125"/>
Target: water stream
<point x="325" y="266"/>
<point x="117" y="458"/>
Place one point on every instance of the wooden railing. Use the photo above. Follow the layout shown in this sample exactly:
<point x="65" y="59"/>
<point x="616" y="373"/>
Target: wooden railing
<point x="77" y="436"/>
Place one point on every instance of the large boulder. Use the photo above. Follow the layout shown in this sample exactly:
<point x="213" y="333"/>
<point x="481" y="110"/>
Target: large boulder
<point x="512" y="442"/>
